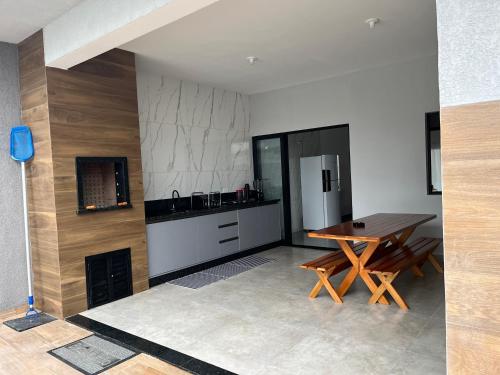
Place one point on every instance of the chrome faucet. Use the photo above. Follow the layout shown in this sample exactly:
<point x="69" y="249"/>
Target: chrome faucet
<point x="175" y="198"/>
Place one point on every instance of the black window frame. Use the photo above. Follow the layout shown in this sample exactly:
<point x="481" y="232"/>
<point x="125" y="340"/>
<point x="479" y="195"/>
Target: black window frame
<point x="432" y="123"/>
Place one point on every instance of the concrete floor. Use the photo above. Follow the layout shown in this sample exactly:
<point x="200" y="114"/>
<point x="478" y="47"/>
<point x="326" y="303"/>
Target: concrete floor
<point x="262" y="322"/>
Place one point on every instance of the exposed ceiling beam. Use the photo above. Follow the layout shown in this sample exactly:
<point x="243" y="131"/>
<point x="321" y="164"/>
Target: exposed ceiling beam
<point x="96" y="26"/>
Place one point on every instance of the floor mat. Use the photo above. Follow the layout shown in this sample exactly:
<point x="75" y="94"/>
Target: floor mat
<point x="28" y="322"/>
<point x="221" y="272"/>
<point x="92" y="354"/>
<point x="196" y="280"/>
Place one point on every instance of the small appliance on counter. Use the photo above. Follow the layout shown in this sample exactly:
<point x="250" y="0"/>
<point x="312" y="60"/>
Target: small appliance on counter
<point x="214" y="199"/>
<point x="199" y="200"/>
<point x="246" y="192"/>
<point x="239" y="195"/>
<point x="258" y="186"/>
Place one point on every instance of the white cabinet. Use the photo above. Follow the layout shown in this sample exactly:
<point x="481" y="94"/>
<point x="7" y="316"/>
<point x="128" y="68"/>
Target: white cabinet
<point x="228" y="233"/>
<point x="207" y="239"/>
<point x="178" y="244"/>
<point x="172" y="245"/>
<point x="259" y="226"/>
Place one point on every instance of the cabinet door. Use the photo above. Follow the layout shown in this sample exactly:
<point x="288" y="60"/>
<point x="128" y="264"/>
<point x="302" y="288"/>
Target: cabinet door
<point x="259" y="226"/>
<point x="269" y="225"/>
<point x="98" y="291"/>
<point x="171" y="245"/>
<point x="121" y="274"/>
<point x="109" y="277"/>
<point x="207" y="238"/>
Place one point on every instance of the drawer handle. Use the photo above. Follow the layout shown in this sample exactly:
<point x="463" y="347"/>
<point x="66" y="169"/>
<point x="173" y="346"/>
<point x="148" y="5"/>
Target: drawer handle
<point x="228" y="225"/>
<point x="229" y="239"/>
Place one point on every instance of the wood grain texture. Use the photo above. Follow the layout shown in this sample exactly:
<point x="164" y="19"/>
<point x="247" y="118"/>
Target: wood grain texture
<point x="470" y="139"/>
<point x="95" y="114"/>
<point x="378" y="227"/>
<point x="40" y="177"/>
<point x="26" y="352"/>
<point x="89" y="110"/>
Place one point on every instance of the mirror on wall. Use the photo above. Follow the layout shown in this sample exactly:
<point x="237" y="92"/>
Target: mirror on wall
<point x="433" y="142"/>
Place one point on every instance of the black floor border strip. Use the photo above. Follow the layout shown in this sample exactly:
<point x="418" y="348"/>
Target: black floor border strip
<point x="136" y="343"/>
<point x="157" y="280"/>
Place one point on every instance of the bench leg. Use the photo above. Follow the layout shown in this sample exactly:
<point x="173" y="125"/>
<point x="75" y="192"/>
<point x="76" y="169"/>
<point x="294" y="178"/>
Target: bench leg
<point x="372" y="286"/>
<point x="417" y="271"/>
<point x="380" y="290"/>
<point x="326" y="283"/>
<point x="435" y="263"/>
<point x="319" y="285"/>
<point x="387" y="285"/>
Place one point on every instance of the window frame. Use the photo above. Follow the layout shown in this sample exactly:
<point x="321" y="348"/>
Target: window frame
<point x="429" y="127"/>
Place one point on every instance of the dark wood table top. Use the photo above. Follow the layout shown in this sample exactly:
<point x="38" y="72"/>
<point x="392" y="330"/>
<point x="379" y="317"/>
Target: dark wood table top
<point x="378" y="227"/>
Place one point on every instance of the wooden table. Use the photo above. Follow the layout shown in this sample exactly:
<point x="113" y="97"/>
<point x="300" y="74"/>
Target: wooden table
<point x="382" y="232"/>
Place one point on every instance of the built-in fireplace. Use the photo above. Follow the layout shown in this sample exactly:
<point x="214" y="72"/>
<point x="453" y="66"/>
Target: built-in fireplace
<point x="102" y="183"/>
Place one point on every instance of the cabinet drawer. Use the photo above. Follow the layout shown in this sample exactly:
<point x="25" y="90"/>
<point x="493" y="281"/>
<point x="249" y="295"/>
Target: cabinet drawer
<point x="228" y="232"/>
<point x="227" y="217"/>
<point x="230" y="247"/>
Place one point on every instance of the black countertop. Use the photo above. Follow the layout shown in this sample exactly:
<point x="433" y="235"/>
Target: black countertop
<point x="184" y="214"/>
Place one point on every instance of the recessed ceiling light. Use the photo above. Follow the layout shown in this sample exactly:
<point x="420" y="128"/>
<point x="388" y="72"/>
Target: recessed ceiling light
<point x="252" y="59"/>
<point x="372" y="22"/>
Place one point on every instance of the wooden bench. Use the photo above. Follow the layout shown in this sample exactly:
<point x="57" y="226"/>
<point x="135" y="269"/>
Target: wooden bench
<point x="410" y="256"/>
<point x="327" y="266"/>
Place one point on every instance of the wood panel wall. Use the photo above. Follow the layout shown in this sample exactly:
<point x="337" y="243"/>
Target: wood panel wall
<point x="40" y="177"/>
<point x="470" y="137"/>
<point x="92" y="111"/>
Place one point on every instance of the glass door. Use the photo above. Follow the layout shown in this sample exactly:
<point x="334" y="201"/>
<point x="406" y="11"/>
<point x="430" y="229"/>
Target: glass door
<point x="270" y="156"/>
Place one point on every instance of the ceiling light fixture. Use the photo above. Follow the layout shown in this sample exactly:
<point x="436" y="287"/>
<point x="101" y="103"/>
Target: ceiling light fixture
<point x="252" y="59"/>
<point x="372" y="22"/>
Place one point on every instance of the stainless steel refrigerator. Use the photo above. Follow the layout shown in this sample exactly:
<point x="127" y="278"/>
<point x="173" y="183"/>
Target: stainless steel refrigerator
<point x="320" y="183"/>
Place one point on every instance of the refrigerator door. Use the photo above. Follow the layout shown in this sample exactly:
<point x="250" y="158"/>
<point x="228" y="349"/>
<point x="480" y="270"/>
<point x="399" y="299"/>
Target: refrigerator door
<point x="331" y="207"/>
<point x="331" y="199"/>
<point x="331" y="163"/>
<point x="312" y="185"/>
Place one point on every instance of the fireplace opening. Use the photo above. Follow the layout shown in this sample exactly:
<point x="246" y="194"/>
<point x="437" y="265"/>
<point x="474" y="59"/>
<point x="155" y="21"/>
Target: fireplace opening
<point x="102" y="183"/>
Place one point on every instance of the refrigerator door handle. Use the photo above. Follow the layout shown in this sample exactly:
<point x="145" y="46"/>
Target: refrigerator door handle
<point x="323" y="179"/>
<point x="338" y="173"/>
<point x="328" y="180"/>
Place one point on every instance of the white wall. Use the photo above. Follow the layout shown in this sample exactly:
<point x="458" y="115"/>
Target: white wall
<point x="385" y="108"/>
<point x="13" y="285"/>
<point x="193" y="137"/>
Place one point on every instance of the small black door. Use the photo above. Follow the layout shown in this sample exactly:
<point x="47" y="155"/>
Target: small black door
<point x="109" y="277"/>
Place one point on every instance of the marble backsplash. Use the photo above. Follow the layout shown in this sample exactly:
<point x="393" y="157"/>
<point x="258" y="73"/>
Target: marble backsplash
<point x="193" y="137"/>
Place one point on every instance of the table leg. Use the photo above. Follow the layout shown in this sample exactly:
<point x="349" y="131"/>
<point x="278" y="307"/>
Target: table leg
<point x="357" y="268"/>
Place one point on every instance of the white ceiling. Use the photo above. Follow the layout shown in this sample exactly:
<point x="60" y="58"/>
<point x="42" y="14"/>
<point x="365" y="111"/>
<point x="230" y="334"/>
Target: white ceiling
<point x="21" y="18"/>
<point x="296" y="41"/>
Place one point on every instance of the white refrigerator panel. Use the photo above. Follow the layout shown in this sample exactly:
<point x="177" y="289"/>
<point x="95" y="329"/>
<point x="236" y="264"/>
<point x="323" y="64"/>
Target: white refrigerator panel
<point x="312" y="193"/>
<point x="331" y="200"/>
<point x="331" y="206"/>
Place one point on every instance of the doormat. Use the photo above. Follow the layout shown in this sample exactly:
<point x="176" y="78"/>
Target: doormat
<point x="221" y="272"/>
<point x="28" y="322"/>
<point x="92" y="355"/>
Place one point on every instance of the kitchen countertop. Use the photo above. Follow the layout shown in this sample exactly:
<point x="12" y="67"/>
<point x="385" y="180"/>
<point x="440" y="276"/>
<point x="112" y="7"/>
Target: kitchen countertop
<point x="178" y="215"/>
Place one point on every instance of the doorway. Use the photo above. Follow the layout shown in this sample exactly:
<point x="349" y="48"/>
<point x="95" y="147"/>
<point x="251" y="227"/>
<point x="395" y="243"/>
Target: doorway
<point x="277" y="161"/>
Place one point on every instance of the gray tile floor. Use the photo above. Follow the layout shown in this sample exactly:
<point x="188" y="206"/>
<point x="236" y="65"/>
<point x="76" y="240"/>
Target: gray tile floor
<point x="262" y="322"/>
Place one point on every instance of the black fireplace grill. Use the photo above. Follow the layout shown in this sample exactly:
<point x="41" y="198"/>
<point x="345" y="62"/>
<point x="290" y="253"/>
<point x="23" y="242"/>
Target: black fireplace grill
<point x="102" y="183"/>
